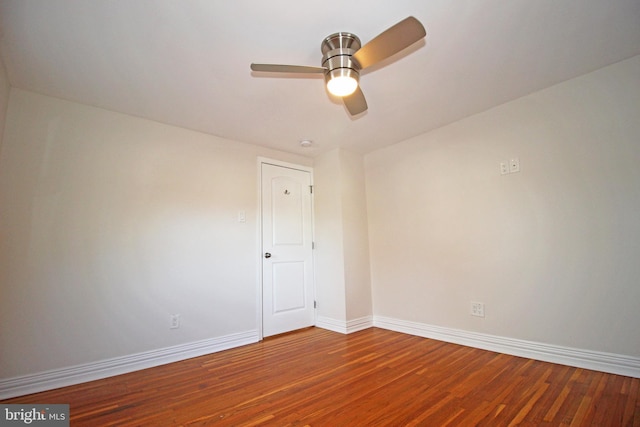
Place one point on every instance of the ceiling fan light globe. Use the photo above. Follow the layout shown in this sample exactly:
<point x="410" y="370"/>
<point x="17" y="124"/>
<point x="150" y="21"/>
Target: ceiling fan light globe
<point x="342" y="84"/>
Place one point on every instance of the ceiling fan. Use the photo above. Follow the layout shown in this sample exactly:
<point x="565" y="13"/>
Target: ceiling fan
<point x="343" y="57"/>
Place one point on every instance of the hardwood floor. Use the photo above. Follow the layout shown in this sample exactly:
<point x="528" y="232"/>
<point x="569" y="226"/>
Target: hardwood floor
<point x="374" y="377"/>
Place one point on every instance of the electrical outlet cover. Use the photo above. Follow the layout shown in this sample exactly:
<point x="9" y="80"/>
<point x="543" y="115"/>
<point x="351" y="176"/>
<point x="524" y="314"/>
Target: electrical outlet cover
<point x="477" y="309"/>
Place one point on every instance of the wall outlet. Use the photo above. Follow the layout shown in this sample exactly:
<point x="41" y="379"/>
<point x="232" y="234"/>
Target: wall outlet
<point x="174" y="321"/>
<point x="477" y="309"/>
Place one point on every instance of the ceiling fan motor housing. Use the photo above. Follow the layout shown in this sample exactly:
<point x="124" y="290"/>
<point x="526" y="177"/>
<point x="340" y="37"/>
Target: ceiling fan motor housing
<point x="337" y="56"/>
<point x="343" y="57"/>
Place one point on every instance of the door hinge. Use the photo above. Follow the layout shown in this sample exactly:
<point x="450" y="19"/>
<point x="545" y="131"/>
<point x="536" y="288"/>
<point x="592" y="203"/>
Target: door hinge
<point x="315" y="304"/>
<point x="313" y="245"/>
<point x="311" y="189"/>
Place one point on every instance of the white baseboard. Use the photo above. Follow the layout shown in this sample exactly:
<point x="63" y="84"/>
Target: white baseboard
<point x="344" y="326"/>
<point x="587" y="359"/>
<point x="48" y="380"/>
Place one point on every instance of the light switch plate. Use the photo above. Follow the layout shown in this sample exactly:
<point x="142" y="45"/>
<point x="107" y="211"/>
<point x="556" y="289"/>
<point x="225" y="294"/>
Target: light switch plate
<point x="504" y="167"/>
<point x="514" y="165"/>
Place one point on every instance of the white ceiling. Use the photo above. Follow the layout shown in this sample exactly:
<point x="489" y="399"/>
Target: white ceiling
<point x="186" y="62"/>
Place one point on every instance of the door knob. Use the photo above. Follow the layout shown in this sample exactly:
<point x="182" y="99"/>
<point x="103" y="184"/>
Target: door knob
<point x="267" y="255"/>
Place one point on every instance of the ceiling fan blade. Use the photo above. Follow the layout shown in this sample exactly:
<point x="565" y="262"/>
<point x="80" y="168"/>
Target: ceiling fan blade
<point x="355" y="103"/>
<point x="389" y="42"/>
<point x="277" y="68"/>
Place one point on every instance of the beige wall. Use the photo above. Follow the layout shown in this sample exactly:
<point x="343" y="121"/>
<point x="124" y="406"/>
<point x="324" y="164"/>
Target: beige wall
<point x="552" y="251"/>
<point x="329" y="252"/>
<point x="355" y="234"/>
<point x="342" y="253"/>
<point x="4" y="98"/>
<point x="111" y="223"/>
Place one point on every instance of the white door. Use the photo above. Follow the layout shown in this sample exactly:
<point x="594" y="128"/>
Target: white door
<point x="287" y="267"/>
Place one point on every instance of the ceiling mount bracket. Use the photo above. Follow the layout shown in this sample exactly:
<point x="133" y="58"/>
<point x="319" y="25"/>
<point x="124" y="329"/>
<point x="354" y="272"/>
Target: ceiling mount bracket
<point x="340" y="41"/>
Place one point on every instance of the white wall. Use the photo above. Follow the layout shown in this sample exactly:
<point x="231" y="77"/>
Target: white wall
<point x="552" y="251"/>
<point x="329" y="252"/>
<point x="342" y="250"/>
<point x="109" y="224"/>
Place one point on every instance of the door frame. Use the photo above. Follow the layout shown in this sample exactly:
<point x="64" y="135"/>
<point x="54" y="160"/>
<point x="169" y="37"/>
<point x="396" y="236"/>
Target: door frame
<point x="259" y="293"/>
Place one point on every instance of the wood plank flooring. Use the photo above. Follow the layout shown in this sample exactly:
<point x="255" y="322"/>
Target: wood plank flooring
<point x="373" y="377"/>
